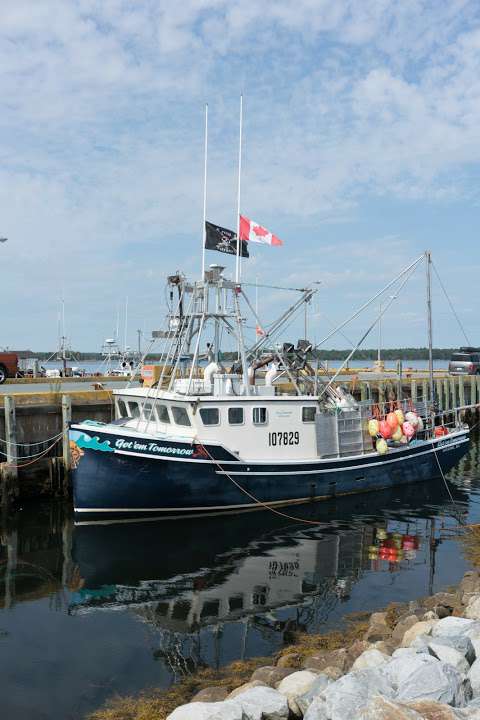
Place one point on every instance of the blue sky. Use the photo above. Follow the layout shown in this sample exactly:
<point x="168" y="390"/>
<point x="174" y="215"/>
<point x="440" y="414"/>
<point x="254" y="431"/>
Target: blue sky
<point x="361" y="150"/>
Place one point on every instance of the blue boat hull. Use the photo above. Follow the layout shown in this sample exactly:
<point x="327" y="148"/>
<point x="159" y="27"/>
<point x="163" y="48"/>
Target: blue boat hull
<point x="175" y="478"/>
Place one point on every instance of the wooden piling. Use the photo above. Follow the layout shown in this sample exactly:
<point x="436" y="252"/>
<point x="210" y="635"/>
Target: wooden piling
<point x="461" y="391"/>
<point x="446" y="390"/>
<point x="413" y="390"/>
<point x="8" y="472"/>
<point x="66" y="420"/>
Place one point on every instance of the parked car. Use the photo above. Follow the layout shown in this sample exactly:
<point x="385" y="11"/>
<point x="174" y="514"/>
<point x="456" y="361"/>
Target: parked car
<point x="8" y="365"/>
<point x="465" y="361"/>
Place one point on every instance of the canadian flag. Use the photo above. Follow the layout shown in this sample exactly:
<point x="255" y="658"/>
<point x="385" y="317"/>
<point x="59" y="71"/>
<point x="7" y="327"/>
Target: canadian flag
<point x="253" y="232"/>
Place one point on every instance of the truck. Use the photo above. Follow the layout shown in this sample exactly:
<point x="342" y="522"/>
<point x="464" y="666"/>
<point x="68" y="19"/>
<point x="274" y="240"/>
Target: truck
<point x="8" y="365"/>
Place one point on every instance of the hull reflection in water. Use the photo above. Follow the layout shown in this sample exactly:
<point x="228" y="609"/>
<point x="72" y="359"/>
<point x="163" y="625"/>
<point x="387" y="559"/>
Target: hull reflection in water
<point x="193" y="579"/>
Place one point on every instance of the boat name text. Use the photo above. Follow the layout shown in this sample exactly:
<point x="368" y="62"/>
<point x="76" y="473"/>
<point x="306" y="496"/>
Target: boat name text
<point x="122" y="444"/>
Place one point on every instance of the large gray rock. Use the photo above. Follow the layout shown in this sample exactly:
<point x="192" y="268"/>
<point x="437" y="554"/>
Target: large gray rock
<point x="474" y="677"/>
<point x="369" y="659"/>
<point x="452" y="626"/>
<point x="320" y="684"/>
<point x="227" y="710"/>
<point x="424" y="677"/>
<point x="462" y="643"/>
<point x="418" y="647"/>
<point x="473" y="632"/>
<point x="296" y="684"/>
<point x="317" y="710"/>
<point x="450" y="655"/>
<point x="262" y="703"/>
<point x="349" y="695"/>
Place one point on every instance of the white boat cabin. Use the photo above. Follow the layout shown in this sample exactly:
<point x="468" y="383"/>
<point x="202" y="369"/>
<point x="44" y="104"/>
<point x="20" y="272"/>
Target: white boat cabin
<point x="249" y="426"/>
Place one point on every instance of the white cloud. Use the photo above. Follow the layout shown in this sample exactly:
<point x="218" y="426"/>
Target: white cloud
<point x="101" y="137"/>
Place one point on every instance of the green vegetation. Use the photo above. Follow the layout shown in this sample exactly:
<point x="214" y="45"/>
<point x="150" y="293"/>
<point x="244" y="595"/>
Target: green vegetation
<point x="365" y="354"/>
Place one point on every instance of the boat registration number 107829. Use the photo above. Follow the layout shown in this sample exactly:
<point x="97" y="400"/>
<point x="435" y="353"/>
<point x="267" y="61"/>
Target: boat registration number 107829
<point x="283" y="438"/>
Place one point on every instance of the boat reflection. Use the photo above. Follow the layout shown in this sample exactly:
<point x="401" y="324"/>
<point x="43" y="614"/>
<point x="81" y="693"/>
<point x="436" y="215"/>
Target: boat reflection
<point x="215" y="589"/>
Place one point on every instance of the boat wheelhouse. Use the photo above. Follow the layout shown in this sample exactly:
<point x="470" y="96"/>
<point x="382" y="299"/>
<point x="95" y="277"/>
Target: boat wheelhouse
<point x="261" y="426"/>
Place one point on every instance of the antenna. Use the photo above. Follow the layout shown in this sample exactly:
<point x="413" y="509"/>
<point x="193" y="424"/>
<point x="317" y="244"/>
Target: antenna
<point x="204" y="231"/>
<point x="126" y="325"/>
<point x="237" y="266"/>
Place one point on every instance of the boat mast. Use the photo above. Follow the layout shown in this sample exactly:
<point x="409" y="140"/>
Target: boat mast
<point x="237" y="265"/>
<point x="204" y="229"/>
<point x="428" y="260"/>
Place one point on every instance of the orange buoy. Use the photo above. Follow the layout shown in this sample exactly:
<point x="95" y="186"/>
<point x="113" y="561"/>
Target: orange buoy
<point x="392" y="420"/>
<point x="385" y="430"/>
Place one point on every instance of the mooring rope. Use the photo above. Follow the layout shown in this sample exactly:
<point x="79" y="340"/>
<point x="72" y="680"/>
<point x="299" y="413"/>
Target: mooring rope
<point x="36" y="442"/>
<point x="255" y="499"/>
<point x="457" y="509"/>
<point x="303" y="520"/>
<point x="36" y="457"/>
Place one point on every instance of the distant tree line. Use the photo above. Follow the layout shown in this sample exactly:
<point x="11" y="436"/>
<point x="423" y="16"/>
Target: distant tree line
<point x="362" y="354"/>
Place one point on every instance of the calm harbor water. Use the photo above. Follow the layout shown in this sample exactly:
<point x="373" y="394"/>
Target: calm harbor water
<point x="87" y="612"/>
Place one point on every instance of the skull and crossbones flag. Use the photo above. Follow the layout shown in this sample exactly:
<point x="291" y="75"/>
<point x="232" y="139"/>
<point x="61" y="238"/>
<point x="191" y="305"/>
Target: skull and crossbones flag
<point x="223" y="240"/>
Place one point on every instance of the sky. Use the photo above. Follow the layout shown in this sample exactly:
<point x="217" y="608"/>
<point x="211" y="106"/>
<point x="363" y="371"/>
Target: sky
<point x="361" y="150"/>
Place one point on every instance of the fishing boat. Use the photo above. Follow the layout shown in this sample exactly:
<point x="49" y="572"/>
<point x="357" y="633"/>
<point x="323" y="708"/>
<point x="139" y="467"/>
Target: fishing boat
<point x="262" y="426"/>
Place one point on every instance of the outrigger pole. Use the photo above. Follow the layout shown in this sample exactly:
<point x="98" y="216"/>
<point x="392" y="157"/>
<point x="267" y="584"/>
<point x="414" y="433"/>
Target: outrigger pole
<point x="237" y="265"/>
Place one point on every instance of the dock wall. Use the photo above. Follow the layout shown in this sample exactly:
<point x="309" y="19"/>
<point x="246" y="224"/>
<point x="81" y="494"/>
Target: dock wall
<point x="34" y="440"/>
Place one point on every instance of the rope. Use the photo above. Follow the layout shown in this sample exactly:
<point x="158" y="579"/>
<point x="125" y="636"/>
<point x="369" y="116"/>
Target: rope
<point x="38" y="442"/>
<point x="316" y="522"/>
<point x="457" y="509"/>
<point x="451" y="305"/>
<point x="256" y="500"/>
<point x="38" y="457"/>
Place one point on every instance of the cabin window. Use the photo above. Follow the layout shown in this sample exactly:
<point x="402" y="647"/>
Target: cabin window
<point x="122" y="409"/>
<point x="134" y="409"/>
<point x="235" y="416"/>
<point x="163" y="415"/>
<point x="180" y="415"/>
<point x="147" y="410"/>
<point x="210" y="416"/>
<point x="259" y="416"/>
<point x="308" y="414"/>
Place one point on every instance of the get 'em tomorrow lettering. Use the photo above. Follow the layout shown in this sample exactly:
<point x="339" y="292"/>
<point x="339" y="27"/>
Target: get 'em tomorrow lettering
<point x="122" y="444"/>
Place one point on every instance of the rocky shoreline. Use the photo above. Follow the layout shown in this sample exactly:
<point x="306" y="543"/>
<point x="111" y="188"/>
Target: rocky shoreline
<point x="420" y="660"/>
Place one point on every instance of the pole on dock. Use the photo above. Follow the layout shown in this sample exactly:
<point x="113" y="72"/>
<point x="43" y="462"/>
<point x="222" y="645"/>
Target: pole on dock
<point x="9" y="473"/>
<point x="66" y="420"/>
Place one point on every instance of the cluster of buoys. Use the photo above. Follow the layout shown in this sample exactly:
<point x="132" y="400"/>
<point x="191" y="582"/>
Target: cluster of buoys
<point x="396" y="427"/>
<point x="393" y="547"/>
